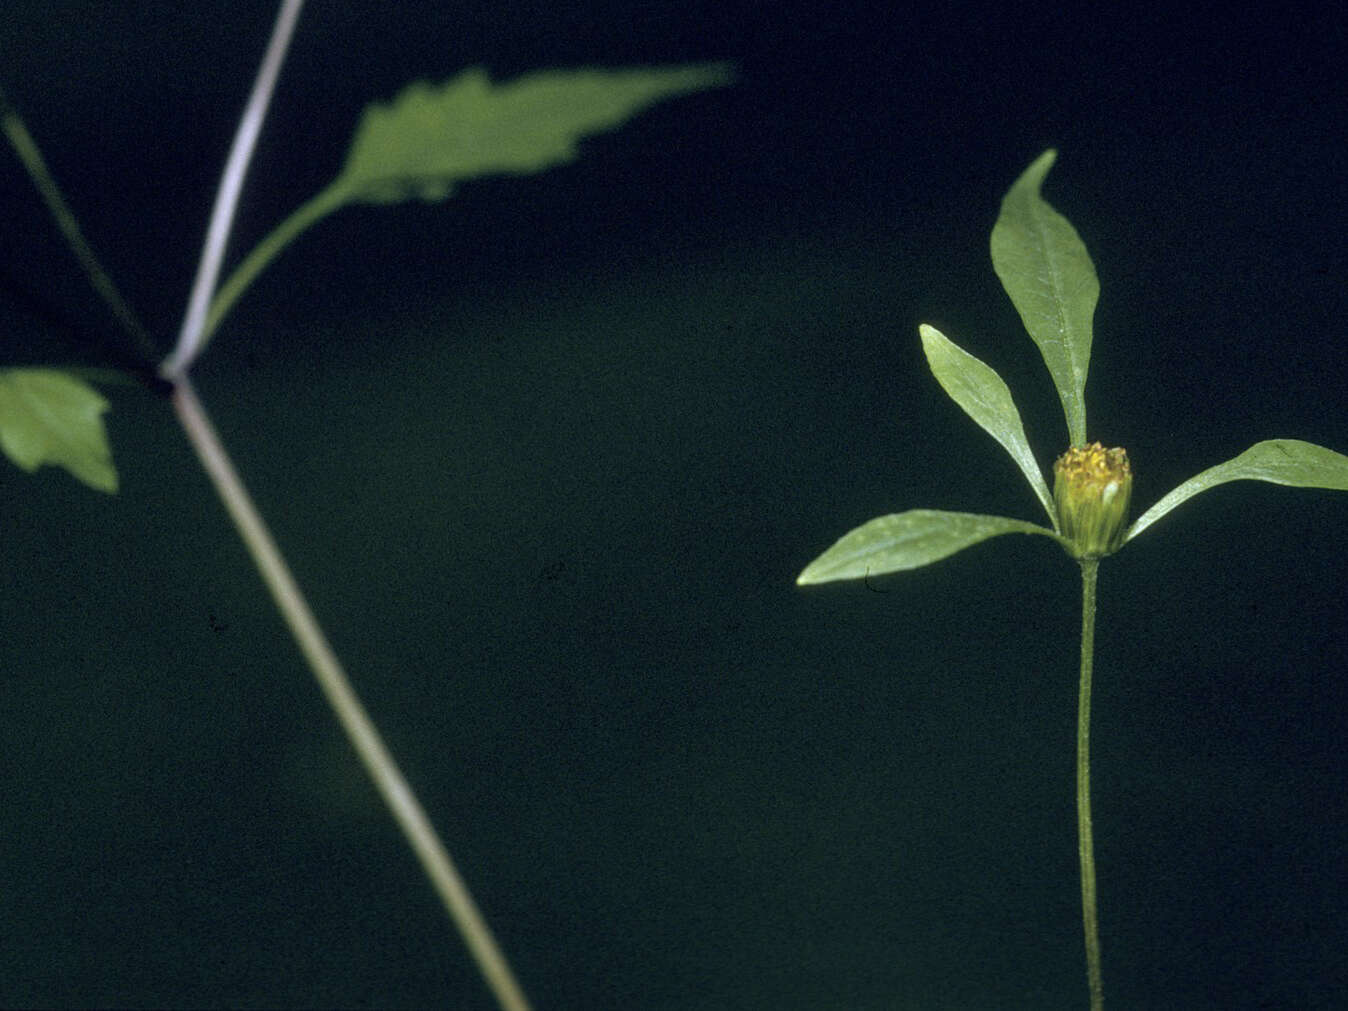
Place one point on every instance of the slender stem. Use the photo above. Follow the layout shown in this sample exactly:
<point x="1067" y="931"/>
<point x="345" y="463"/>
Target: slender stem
<point x="402" y="802"/>
<point x="305" y="216"/>
<point x="227" y="199"/>
<point x="388" y="779"/>
<point x="1085" y="836"/>
<point x="366" y="740"/>
<point x="27" y="150"/>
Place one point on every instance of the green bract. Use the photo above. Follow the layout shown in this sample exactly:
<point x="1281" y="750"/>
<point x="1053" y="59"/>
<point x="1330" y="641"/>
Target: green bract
<point x="1044" y="267"/>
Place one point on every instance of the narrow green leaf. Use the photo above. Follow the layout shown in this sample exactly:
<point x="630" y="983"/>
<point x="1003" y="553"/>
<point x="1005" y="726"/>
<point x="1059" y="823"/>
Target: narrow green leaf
<point x="1278" y="461"/>
<point x="908" y="541"/>
<point x="1044" y="267"/>
<point x="429" y="137"/>
<point x="977" y="388"/>
<point x="48" y="416"/>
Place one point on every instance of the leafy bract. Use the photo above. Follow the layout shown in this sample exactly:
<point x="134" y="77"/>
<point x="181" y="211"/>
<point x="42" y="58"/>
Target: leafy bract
<point x="1278" y="461"/>
<point x="48" y="416"/>
<point x="432" y="137"/>
<point x="978" y="389"/>
<point x="1046" y="270"/>
<point x="909" y="540"/>
<point x="1044" y="267"/>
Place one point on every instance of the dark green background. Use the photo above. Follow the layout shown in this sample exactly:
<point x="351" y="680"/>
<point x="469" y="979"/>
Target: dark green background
<point x="548" y="458"/>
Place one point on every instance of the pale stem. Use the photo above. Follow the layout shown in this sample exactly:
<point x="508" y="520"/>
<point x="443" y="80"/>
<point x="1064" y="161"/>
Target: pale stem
<point x="388" y="779"/>
<point x="397" y="794"/>
<point x="402" y="802"/>
<point x="1085" y="836"/>
<point x="227" y="199"/>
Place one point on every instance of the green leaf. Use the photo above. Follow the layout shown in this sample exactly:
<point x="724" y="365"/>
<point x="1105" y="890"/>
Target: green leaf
<point x="1278" y="461"/>
<point x="908" y="541"/>
<point x="978" y="389"/>
<point x="48" y="416"/>
<point x="1044" y="267"/>
<point x="430" y="137"/>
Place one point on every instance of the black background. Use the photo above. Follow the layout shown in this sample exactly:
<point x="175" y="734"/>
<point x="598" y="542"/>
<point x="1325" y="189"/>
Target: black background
<point x="549" y="456"/>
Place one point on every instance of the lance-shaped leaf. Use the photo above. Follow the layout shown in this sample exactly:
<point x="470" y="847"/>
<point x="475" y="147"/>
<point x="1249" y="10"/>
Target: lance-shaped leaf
<point x="47" y="416"/>
<point x="1278" y="461"/>
<point x="908" y="541"/>
<point x="1044" y="267"/>
<point x="977" y="388"/>
<point x="431" y="137"/>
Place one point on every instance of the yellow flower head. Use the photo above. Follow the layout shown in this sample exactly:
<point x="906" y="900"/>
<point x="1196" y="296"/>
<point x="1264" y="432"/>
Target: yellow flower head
<point x="1092" y="487"/>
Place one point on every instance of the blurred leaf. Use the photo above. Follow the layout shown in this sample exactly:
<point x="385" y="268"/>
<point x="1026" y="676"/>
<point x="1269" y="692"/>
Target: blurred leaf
<point x="1278" y="461"/>
<point x="978" y="389"/>
<point x="908" y="541"/>
<point x="1044" y="267"/>
<point x="430" y="137"/>
<point x="47" y="416"/>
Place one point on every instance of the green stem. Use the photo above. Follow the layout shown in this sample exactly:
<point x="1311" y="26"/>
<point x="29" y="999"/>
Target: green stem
<point x="36" y="167"/>
<point x="1085" y="836"/>
<point x="302" y="218"/>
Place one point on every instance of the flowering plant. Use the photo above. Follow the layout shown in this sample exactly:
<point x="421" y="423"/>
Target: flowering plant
<point x="1045" y="269"/>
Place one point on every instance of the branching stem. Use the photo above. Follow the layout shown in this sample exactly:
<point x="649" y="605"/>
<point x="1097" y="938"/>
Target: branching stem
<point x="197" y="325"/>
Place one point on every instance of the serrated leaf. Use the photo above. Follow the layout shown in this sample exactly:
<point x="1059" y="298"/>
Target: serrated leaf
<point x="1278" y="461"/>
<point x="985" y="397"/>
<point x="431" y="137"/>
<point x="48" y="416"/>
<point x="1045" y="269"/>
<point x="908" y="541"/>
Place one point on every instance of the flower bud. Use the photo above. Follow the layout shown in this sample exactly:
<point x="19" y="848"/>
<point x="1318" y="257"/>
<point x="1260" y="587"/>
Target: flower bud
<point x="1092" y="487"/>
